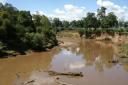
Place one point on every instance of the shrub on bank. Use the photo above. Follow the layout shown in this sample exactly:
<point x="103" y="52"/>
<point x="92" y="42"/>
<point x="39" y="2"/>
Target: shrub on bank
<point x="92" y="33"/>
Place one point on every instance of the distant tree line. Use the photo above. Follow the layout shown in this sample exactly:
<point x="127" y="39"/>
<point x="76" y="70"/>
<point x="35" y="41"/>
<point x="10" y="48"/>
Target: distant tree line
<point x="20" y="31"/>
<point x="101" y="20"/>
<point x="94" y="24"/>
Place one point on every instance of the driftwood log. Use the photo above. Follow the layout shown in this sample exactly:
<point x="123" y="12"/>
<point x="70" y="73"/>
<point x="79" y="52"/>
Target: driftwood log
<point x="75" y="74"/>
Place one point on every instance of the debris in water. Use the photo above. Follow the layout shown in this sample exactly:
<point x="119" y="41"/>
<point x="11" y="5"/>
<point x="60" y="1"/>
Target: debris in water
<point x="53" y="73"/>
<point x="57" y="78"/>
<point x="114" y="61"/>
<point x="29" y="82"/>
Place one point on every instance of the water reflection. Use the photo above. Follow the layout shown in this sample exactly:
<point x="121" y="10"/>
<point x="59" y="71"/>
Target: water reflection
<point x="89" y="53"/>
<point x="124" y="63"/>
<point x="67" y="60"/>
<point x="98" y="53"/>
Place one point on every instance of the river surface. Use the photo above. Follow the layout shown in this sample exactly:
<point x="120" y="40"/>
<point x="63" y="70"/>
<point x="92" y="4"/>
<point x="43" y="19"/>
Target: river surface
<point x="92" y="58"/>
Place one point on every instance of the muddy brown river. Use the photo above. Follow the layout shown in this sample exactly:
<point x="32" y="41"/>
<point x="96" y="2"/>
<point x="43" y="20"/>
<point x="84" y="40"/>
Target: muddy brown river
<point x="92" y="58"/>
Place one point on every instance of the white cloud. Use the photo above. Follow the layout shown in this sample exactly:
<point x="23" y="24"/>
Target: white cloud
<point x="60" y="12"/>
<point x="38" y="12"/>
<point x="3" y="1"/>
<point x="69" y="12"/>
<point x="121" y="12"/>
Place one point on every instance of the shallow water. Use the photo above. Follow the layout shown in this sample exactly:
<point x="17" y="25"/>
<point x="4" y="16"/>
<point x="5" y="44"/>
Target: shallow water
<point x="92" y="58"/>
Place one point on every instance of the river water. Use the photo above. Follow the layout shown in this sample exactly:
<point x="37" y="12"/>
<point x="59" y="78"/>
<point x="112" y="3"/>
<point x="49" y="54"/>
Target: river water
<point x="92" y="58"/>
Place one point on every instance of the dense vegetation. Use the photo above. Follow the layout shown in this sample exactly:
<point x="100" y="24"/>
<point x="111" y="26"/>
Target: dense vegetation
<point x="20" y="31"/>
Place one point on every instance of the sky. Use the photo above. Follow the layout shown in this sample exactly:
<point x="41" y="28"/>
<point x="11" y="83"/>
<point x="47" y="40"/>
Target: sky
<point x="71" y="9"/>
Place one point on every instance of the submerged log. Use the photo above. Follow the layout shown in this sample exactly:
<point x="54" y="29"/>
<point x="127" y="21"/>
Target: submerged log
<point x="53" y="73"/>
<point x="114" y="61"/>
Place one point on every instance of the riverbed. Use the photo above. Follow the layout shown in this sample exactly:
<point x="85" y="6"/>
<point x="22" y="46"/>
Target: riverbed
<point x="92" y="58"/>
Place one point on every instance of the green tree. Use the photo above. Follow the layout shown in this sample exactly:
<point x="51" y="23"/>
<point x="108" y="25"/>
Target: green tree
<point x="112" y="18"/>
<point x="65" y="24"/>
<point x="25" y="19"/>
<point x="91" y="21"/>
<point x="126" y="24"/>
<point x="104" y="22"/>
<point x="56" y="22"/>
<point x="101" y="12"/>
<point x="44" y="31"/>
<point x="109" y="21"/>
<point x="79" y="23"/>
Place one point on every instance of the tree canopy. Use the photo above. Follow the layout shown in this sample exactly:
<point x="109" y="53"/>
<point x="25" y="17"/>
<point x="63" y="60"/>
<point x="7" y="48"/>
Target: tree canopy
<point x="19" y="30"/>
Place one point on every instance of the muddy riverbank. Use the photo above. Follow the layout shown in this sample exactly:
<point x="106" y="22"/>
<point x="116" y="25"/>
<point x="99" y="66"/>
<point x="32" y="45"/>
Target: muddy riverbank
<point x="94" y="59"/>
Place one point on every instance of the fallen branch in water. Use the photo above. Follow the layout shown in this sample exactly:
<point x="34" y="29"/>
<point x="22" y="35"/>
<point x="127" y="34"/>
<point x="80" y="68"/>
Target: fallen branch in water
<point x="53" y="73"/>
<point x="29" y="82"/>
<point x="62" y="83"/>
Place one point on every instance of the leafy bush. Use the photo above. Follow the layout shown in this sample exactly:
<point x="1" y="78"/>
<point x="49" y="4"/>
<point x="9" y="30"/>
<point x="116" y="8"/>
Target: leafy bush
<point x="2" y="46"/>
<point x="81" y="32"/>
<point x="38" y="42"/>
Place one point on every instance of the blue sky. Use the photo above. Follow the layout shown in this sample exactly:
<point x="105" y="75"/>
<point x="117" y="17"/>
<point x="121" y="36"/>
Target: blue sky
<point x="71" y="9"/>
<point x="49" y="5"/>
